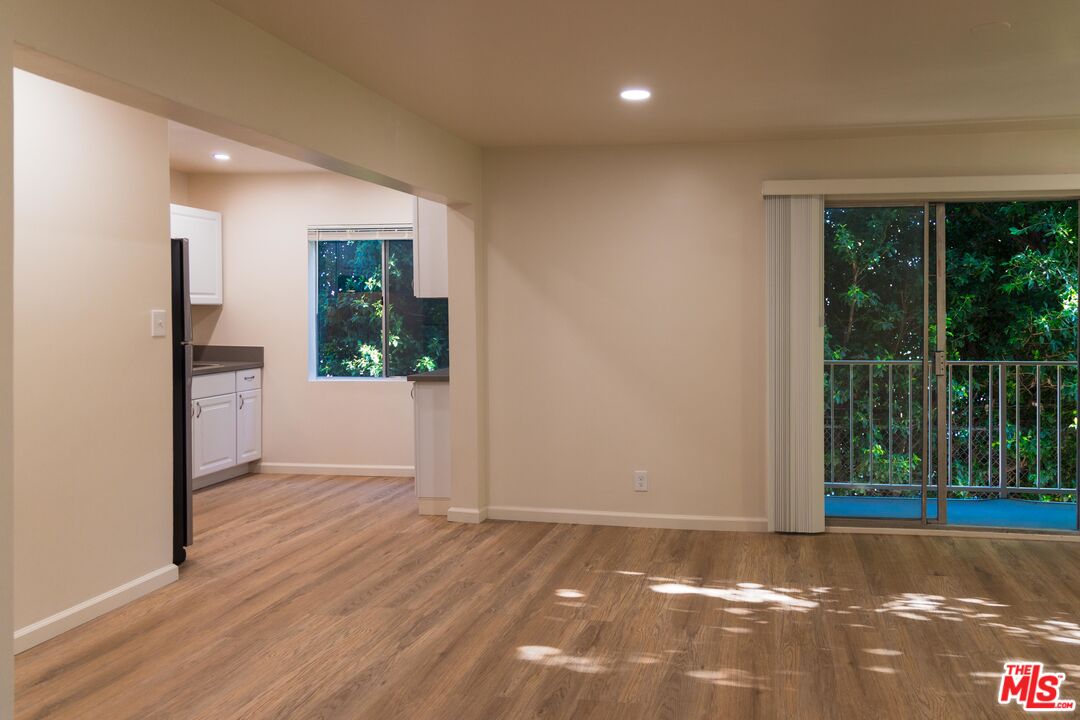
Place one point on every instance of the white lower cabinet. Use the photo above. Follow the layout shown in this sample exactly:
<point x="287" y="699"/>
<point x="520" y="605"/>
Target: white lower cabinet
<point x="431" y="411"/>
<point x="248" y="426"/>
<point x="213" y="434"/>
<point x="226" y="421"/>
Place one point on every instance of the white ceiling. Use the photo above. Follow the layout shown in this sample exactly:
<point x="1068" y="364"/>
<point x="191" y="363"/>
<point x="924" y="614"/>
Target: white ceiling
<point x="191" y="151"/>
<point x="521" y="72"/>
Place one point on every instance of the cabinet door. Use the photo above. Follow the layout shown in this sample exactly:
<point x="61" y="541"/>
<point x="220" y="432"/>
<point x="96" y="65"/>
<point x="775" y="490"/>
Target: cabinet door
<point x="430" y="276"/>
<point x="431" y="411"/>
<point x="249" y="426"/>
<point x="202" y="228"/>
<point x="213" y="435"/>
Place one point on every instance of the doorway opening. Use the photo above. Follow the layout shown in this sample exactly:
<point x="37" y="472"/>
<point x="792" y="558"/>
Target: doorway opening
<point x="951" y="364"/>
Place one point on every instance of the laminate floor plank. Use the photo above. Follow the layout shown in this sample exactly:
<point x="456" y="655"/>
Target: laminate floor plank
<point x="329" y="597"/>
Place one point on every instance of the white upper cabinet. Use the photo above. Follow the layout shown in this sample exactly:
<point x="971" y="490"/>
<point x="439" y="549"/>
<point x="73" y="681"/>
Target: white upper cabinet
<point x="430" y="276"/>
<point x="202" y="228"/>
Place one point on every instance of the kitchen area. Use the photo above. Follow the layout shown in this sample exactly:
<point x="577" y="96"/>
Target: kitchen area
<point x="352" y="376"/>
<point x="298" y="336"/>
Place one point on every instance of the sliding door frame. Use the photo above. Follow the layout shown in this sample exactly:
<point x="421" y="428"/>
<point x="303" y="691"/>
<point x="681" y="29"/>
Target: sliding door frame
<point x="927" y="431"/>
<point x="940" y="373"/>
<point x="924" y="421"/>
<point x="904" y="192"/>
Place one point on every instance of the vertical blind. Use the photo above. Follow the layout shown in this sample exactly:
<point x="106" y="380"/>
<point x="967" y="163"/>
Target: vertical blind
<point x="794" y="235"/>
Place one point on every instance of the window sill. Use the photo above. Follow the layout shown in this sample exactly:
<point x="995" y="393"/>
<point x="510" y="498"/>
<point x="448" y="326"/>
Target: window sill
<point x="395" y="379"/>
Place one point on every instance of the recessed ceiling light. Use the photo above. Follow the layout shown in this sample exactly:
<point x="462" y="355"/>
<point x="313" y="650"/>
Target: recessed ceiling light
<point x="635" y="94"/>
<point x="222" y="157"/>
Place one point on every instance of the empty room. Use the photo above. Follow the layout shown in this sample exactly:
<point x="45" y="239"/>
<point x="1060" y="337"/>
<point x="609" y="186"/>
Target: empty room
<point x="513" y="360"/>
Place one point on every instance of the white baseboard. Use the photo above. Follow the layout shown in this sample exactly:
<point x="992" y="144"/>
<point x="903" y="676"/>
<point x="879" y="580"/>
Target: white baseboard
<point x="36" y="633"/>
<point x="629" y="519"/>
<point x="434" y="506"/>
<point x="466" y="515"/>
<point x="324" y="469"/>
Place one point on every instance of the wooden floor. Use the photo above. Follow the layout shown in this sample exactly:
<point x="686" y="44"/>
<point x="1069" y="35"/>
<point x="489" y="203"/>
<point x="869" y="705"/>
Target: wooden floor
<point x="328" y="597"/>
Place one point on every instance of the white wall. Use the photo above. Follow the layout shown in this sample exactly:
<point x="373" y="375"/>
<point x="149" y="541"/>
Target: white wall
<point x="626" y="307"/>
<point x="93" y="451"/>
<point x="357" y="426"/>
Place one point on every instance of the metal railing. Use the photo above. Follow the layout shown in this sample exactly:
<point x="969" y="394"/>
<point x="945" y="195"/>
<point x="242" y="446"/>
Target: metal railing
<point x="1010" y="426"/>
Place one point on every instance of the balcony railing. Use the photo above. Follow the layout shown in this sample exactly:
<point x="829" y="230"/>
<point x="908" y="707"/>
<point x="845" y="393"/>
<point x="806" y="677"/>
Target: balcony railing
<point x="1010" y="430"/>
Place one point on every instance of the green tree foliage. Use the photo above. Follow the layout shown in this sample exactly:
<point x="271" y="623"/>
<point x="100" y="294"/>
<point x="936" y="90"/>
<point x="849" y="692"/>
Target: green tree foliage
<point x="417" y="337"/>
<point x="350" y="309"/>
<point x="354" y="295"/>
<point x="1012" y="280"/>
<point x="873" y="283"/>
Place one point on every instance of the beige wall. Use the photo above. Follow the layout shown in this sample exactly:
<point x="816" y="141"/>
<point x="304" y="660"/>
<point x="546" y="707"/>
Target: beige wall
<point x="93" y="452"/>
<point x="178" y="187"/>
<point x="6" y="318"/>
<point x="193" y="61"/>
<point x="468" y="434"/>
<point x="365" y="426"/>
<point x="626" y="306"/>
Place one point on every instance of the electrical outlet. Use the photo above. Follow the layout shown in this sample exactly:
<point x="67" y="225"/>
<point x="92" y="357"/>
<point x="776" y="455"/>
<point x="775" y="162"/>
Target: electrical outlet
<point x="641" y="481"/>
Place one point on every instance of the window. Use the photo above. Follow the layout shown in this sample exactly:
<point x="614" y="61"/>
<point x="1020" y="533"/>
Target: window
<point x="366" y="320"/>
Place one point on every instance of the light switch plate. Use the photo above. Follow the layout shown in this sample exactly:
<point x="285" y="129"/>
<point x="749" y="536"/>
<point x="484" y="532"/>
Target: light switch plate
<point x="157" y="323"/>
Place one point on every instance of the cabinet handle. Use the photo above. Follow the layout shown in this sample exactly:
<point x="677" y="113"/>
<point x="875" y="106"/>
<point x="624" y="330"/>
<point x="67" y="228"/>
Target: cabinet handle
<point x="198" y="409"/>
<point x="249" y="377"/>
<point x="241" y="402"/>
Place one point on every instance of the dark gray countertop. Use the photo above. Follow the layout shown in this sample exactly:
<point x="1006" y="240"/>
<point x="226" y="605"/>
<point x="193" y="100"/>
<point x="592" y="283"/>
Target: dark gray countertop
<point x="221" y="366"/>
<point x="440" y="375"/>
<point x="225" y="358"/>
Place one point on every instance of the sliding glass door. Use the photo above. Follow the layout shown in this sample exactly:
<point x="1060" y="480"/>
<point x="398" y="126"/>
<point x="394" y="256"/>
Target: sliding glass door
<point x="876" y="434"/>
<point x="1009" y="378"/>
<point x="950" y="364"/>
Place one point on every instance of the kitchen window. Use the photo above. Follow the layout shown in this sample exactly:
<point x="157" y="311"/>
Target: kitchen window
<point x="366" y="322"/>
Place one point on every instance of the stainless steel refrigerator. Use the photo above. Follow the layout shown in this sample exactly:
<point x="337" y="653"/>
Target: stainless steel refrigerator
<point x="182" y="363"/>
